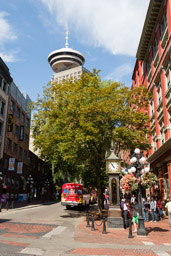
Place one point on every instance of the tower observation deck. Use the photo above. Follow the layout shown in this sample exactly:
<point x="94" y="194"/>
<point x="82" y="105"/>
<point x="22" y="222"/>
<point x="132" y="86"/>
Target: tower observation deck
<point x="65" y="58"/>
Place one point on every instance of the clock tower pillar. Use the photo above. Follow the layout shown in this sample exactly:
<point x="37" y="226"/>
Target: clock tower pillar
<point x="115" y="219"/>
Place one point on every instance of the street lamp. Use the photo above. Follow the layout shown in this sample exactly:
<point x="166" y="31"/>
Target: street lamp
<point x="30" y="183"/>
<point x="137" y="167"/>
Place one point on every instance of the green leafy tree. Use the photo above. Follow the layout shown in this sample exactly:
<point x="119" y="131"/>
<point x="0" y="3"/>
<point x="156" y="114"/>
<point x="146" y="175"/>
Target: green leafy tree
<point x="75" y="123"/>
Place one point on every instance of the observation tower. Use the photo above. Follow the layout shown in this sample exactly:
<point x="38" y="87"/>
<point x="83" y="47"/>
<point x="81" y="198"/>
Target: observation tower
<point x="65" y="58"/>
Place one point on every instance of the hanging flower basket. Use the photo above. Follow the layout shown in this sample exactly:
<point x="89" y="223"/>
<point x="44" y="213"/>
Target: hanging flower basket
<point x="148" y="180"/>
<point x="129" y="182"/>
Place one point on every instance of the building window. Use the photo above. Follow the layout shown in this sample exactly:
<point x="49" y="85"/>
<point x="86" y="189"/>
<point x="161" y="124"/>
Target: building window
<point x="18" y="112"/>
<point x="12" y="106"/>
<point x="15" y="148"/>
<point x="163" y="24"/>
<point x="168" y="79"/>
<point x="155" y="47"/>
<point x="4" y="86"/>
<point x="162" y="137"/>
<point x="25" y="154"/>
<point x="152" y="108"/>
<point x="0" y="81"/>
<point x="22" y="118"/>
<point x="9" y="145"/>
<point x="27" y="123"/>
<point x="159" y="94"/>
<point x="2" y="108"/>
<point x="1" y="125"/>
<point x="148" y="65"/>
<point x="21" y="152"/>
<point x="26" y="138"/>
<point x="154" y="144"/>
<point x="16" y="130"/>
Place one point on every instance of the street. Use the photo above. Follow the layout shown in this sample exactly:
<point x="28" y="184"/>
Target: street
<point x="29" y="231"/>
<point x="51" y="230"/>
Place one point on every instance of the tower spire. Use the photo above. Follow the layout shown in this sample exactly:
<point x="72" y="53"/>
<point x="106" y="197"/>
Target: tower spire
<point x="66" y="38"/>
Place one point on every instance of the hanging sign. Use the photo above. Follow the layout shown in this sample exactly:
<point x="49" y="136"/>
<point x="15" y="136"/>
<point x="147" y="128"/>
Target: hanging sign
<point x="11" y="166"/>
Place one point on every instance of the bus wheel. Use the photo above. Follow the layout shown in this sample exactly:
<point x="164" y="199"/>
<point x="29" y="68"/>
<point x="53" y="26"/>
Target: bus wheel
<point x="68" y="207"/>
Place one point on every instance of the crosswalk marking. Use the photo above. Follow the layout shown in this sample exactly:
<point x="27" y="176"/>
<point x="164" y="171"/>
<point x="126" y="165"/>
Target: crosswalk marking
<point x="148" y="243"/>
<point x="34" y="251"/>
<point x="55" y="231"/>
<point x="159" y="253"/>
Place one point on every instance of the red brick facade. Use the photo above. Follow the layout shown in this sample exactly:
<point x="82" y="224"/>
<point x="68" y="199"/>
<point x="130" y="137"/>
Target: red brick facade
<point x="153" y="69"/>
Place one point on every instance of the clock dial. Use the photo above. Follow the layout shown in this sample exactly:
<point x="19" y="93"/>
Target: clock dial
<point x="113" y="166"/>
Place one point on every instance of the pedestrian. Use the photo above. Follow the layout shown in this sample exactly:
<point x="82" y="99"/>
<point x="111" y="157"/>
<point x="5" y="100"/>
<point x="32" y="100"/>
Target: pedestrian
<point x="160" y="210"/>
<point x="153" y="209"/>
<point x="135" y="215"/>
<point x="124" y="208"/>
<point x="168" y="207"/>
<point x="148" y="197"/>
<point x="146" y="205"/>
<point x="132" y="199"/>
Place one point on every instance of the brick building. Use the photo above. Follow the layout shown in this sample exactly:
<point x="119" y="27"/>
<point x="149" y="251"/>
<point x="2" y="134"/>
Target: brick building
<point x="5" y="81"/>
<point x="153" y="69"/>
<point x="16" y="146"/>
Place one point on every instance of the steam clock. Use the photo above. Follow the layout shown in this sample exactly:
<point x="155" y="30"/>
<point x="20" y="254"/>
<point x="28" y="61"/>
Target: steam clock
<point x="113" y="167"/>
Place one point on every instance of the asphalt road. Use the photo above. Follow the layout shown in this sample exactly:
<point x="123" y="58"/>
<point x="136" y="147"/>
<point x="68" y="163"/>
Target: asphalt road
<point x="32" y="230"/>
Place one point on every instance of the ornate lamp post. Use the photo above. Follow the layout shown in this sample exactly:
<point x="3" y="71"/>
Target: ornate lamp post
<point x="30" y="183"/>
<point x="138" y="168"/>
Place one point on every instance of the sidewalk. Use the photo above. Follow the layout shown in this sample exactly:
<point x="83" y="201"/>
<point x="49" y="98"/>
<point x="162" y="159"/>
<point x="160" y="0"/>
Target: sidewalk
<point x="24" y="204"/>
<point x="116" y="241"/>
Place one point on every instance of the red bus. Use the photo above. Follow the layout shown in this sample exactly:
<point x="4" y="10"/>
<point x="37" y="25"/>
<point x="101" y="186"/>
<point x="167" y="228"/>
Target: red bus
<point x="74" y="194"/>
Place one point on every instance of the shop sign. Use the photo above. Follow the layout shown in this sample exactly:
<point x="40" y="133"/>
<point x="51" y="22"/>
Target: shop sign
<point x="10" y="122"/>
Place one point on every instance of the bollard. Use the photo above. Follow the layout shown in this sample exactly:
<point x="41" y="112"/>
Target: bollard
<point x="92" y="221"/>
<point x="130" y="229"/>
<point x="87" y="218"/>
<point x="104" y="226"/>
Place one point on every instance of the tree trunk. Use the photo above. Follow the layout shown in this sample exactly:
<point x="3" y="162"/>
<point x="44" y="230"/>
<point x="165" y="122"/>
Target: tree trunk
<point x="99" y="195"/>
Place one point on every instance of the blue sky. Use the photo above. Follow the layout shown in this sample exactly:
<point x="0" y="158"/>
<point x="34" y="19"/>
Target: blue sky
<point x="106" y="32"/>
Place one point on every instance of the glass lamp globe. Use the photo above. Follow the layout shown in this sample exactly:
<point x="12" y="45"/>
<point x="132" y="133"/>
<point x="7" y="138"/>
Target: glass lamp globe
<point x="147" y="169"/>
<point x="142" y="160"/>
<point x="133" y="169"/>
<point x="137" y="151"/>
<point x="133" y="160"/>
<point x="129" y="171"/>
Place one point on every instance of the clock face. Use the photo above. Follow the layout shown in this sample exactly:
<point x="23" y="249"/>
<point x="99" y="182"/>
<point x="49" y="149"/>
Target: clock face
<point x="113" y="166"/>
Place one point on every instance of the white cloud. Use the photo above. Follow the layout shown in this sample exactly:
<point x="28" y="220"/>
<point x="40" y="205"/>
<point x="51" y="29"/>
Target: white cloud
<point x="114" y="25"/>
<point x="8" y="57"/>
<point x="6" y="34"/>
<point x="6" y="31"/>
<point x="120" y="72"/>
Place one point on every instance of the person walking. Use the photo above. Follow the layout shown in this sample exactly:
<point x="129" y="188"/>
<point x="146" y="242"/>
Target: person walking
<point x="153" y="209"/>
<point x="168" y="207"/>
<point x="146" y="205"/>
<point x="133" y="199"/>
<point x="135" y="214"/>
<point x="124" y="207"/>
<point x="160" y="210"/>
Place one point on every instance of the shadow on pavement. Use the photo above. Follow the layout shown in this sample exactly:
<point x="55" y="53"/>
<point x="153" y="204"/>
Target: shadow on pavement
<point x="4" y="220"/>
<point x="156" y="229"/>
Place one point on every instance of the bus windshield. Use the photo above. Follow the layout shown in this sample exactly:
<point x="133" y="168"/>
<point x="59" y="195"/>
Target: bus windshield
<point x="72" y="191"/>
